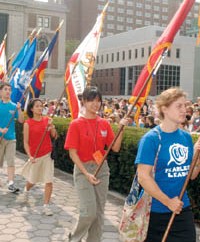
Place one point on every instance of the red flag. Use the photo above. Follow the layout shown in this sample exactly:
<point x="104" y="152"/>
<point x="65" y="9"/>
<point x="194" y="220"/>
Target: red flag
<point x="81" y="65"/>
<point x="163" y="42"/>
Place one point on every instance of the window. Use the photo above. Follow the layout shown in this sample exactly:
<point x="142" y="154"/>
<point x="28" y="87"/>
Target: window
<point x="107" y="58"/>
<point x="177" y="53"/>
<point x="120" y="27"/>
<point x="120" y="19"/>
<point x="129" y="3"/>
<point x="136" y="53"/>
<point x="43" y="22"/>
<point x="110" y="17"/>
<point x="147" y="6"/>
<point x="169" y="53"/>
<point x="123" y="55"/>
<point x="130" y="73"/>
<point x="117" y="56"/>
<point x="129" y="54"/>
<point x="167" y="76"/>
<point x="139" y="5"/>
<point x="142" y="52"/>
<point x="102" y="59"/>
<point x="138" y="21"/>
<point x="149" y="50"/>
<point x="129" y="20"/>
<point x="112" y="57"/>
<point x="138" y="13"/>
<point x="120" y="10"/>
<point x="129" y="11"/>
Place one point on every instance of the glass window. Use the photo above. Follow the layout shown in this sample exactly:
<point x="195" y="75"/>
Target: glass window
<point x="129" y="54"/>
<point x="117" y="56"/>
<point x="136" y="53"/>
<point x="177" y="53"/>
<point x="142" y="52"/>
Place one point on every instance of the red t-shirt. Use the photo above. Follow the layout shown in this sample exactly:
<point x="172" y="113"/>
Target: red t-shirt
<point x="88" y="136"/>
<point x="36" y="131"/>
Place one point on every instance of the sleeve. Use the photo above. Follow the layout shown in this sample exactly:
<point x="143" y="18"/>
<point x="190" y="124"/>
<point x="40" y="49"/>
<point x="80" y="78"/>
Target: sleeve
<point x="72" y="137"/>
<point x="147" y="150"/>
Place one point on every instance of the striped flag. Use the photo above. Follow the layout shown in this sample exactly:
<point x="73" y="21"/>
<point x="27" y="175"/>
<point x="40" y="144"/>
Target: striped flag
<point x="40" y="67"/>
<point x="81" y="65"/>
<point x="163" y="42"/>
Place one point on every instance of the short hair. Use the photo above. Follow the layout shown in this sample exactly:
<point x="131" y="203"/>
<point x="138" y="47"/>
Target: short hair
<point x="167" y="97"/>
<point x="31" y="105"/>
<point x="90" y="93"/>
<point x="4" y="84"/>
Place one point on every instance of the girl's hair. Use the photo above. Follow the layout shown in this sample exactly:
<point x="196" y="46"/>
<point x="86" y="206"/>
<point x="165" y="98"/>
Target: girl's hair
<point x="90" y="93"/>
<point x="31" y="105"/>
<point x="167" y="97"/>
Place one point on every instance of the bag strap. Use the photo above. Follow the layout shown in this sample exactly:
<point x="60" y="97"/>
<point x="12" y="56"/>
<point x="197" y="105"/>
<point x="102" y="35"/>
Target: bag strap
<point x="159" y="147"/>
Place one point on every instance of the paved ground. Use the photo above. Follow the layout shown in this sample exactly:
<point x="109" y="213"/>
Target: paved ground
<point x="24" y="221"/>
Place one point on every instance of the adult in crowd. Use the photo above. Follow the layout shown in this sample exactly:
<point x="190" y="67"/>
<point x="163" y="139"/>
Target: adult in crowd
<point x="173" y="164"/>
<point x="86" y="140"/>
<point x="9" y="111"/>
<point x="40" y="166"/>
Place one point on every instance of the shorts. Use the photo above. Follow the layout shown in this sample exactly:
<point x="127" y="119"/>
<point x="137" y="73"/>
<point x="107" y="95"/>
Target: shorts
<point x="40" y="171"/>
<point x="182" y="230"/>
<point x="7" y="152"/>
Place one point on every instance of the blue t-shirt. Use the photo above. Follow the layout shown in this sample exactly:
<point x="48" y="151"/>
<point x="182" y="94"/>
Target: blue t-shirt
<point x="6" y="111"/>
<point x="173" y="164"/>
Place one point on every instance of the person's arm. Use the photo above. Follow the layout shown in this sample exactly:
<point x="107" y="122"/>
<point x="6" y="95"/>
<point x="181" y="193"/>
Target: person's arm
<point x="26" y="142"/>
<point x="75" y="158"/>
<point x="20" y="113"/>
<point x="117" y="145"/>
<point x="196" y="170"/>
<point x="147" y="181"/>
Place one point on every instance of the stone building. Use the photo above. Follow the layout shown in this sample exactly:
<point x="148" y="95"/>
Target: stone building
<point x="19" y="17"/>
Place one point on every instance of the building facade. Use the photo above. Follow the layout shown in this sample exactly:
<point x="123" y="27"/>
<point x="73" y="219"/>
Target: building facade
<point x="125" y="15"/>
<point x="118" y="66"/>
<point x="19" y="18"/>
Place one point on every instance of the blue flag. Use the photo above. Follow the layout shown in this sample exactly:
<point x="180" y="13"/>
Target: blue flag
<point x="21" y="76"/>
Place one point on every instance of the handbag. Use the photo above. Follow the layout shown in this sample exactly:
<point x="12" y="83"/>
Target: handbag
<point x="134" y="222"/>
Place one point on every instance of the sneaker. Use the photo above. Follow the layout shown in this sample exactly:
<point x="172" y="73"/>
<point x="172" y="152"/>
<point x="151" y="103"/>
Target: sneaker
<point x="47" y="210"/>
<point x="12" y="188"/>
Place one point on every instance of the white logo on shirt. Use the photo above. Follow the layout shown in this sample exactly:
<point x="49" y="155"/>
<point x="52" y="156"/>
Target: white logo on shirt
<point x="178" y="154"/>
<point x="103" y="133"/>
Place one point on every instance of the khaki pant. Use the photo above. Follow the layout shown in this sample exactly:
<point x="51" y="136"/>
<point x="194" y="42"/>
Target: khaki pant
<point x="92" y="202"/>
<point x="7" y="152"/>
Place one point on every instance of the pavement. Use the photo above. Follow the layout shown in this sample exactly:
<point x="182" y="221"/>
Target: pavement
<point x="25" y="222"/>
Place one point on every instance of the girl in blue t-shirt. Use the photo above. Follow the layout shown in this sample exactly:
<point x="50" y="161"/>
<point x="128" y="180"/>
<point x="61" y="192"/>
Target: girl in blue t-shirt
<point x="173" y="165"/>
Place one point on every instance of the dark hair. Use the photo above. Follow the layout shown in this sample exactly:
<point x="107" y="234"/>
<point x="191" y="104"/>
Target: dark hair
<point x="90" y="93"/>
<point x="31" y="105"/>
<point x="4" y="84"/>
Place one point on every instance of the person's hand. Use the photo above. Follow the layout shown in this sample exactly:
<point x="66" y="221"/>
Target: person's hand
<point x="50" y="124"/>
<point x="124" y="121"/>
<point x="4" y="130"/>
<point x="92" y="179"/>
<point x="175" y="205"/>
<point x="32" y="160"/>
<point x="18" y="105"/>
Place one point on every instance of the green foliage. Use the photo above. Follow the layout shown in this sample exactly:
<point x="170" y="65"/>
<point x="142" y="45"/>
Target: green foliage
<point x="121" y="164"/>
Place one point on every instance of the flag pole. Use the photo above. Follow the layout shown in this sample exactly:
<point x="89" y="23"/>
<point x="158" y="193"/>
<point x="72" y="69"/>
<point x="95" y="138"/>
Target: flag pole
<point x="192" y="166"/>
<point x="152" y="73"/>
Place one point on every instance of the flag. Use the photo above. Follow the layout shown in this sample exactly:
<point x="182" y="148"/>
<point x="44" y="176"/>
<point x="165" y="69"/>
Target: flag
<point x="198" y="36"/>
<point x="20" y="79"/>
<point x="38" y="78"/>
<point x="3" y="60"/>
<point x="81" y="65"/>
<point x="163" y="42"/>
<point x="22" y="53"/>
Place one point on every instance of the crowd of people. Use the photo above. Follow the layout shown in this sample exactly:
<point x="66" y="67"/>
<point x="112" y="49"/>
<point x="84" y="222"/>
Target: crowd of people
<point x="114" y="109"/>
<point x="172" y="116"/>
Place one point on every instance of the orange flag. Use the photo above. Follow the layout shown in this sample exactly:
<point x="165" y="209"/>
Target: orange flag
<point x="163" y="42"/>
